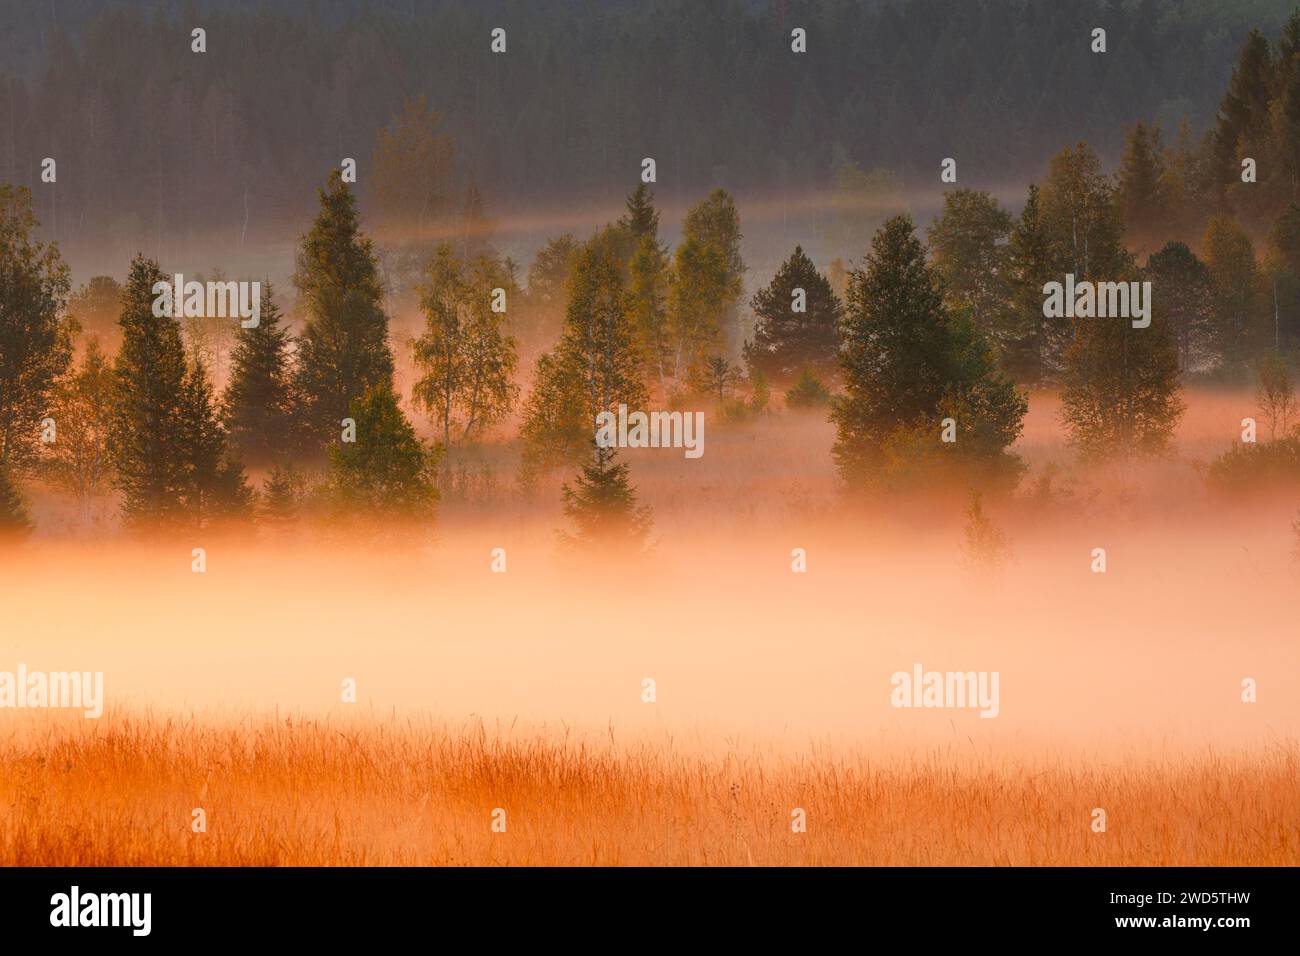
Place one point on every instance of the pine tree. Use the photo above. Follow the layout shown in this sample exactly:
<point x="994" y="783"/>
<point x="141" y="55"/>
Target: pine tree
<point x="909" y="363"/>
<point x="15" y="522"/>
<point x="602" y="505"/>
<point x="149" y="454"/>
<point x="257" y="406"/>
<point x="343" y="349"/>
<point x="35" y="336"/>
<point x="641" y="219"/>
<point x="786" y="340"/>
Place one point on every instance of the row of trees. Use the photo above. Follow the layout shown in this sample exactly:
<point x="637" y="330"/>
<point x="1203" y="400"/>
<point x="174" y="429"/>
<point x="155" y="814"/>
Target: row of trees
<point x="150" y="422"/>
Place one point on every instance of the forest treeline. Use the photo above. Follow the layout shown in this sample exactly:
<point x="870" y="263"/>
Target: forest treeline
<point x="156" y="143"/>
<point x="920" y="347"/>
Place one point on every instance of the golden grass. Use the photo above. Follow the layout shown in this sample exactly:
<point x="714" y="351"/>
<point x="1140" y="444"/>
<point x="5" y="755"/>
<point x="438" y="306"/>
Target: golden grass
<point x="120" y="791"/>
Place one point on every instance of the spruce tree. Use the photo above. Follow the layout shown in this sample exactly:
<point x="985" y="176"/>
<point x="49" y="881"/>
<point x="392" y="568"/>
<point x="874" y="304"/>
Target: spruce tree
<point x="257" y="407"/>
<point x="909" y="363"/>
<point x="148" y="450"/>
<point x="602" y="506"/>
<point x="1143" y="201"/>
<point x="215" y="487"/>
<point x="786" y="340"/>
<point x="282" y="494"/>
<point x="1243" y="119"/>
<point x="387" y="471"/>
<point x="641" y="219"/>
<point x="343" y="349"/>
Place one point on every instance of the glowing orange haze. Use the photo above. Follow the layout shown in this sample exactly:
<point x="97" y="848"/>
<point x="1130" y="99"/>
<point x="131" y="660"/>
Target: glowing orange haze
<point x="773" y="689"/>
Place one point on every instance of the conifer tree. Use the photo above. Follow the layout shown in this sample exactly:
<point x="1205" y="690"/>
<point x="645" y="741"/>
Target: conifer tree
<point x="1243" y="119"/>
<point x="257" y="406"/>
<point x="909" y="363"/>
<point x="602" y="505"/>
<point x="282" y="494"/>
<point x="215" y="487"/>
<point x="641" y="219"/>
<point x="787" y="338"/>
<point x="387" y="471"/>
<point x="1143" y="201"/>
<point x="343" y="349"/>
<point x="148" y="449"/>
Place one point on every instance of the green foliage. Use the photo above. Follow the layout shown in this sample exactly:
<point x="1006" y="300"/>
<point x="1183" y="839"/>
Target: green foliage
<point x="1235" y="299"/>
<point x="1027" y="339"/>
<point x="1180" y="283"/>
<point x="1121" y="387"/>
<point x="282" y="494"/>
<point x="466" y="359"/>
<point x="215" y="487"/>
<point x="641" y="219"/>
<point x="387" y="472"/>
<point x="83" y="403"/>
<point x="148" y="447"/>
<point x="1248" y="468"/>
<point x="807" y="392"/>
<point x="785" y="340"/>
<point x="15" y="522"/>
<point x="35" y="336"/>
<point x="594" y="368"/>
<point x="909" y="362"/>
<point x="968" y="242"/>
<point x="343" y="349"/>
<point x="258" y="403"/>
<point x="602" y="506"/>
<point x="716" y="376"/>
<point x="759" y="392"/>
